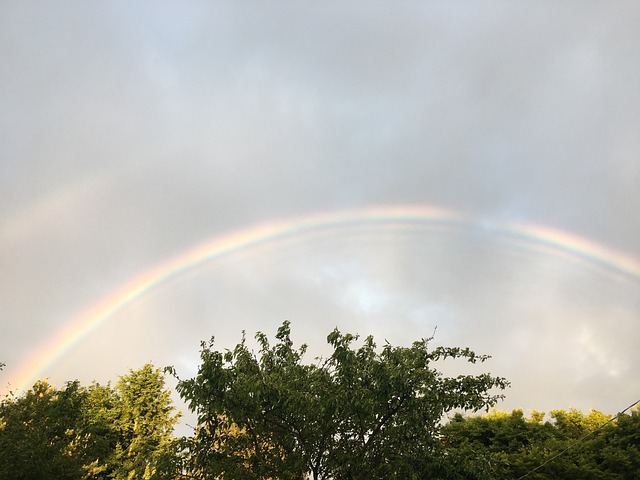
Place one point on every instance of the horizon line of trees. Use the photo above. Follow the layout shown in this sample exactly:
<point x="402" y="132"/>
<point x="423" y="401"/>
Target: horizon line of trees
<point x="361" y="413"/>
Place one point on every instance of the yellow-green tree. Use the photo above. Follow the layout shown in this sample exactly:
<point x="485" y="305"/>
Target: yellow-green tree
<point x="145" y="422"/>
<point x="97" y="432"/>
<point x="571" y="445"/>
<point x="42" y="434"/>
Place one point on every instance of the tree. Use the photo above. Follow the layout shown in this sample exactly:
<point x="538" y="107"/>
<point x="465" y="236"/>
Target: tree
<point x="620" y="446"/>
<point x="101" y="411"/>
<point x="360" y="413"/>
<point x="144" y="421"/>
<point x="41" y="433"/>
<point x="97" y="432"/>
<point x="506" y="445"/>
<point x="572" y="445"/>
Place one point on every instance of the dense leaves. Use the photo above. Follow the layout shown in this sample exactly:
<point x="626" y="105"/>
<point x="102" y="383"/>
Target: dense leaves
<point x="360" y="413"/>
<point x="92" y="433"/>
<point x="145" y="424"/>
<point x="42" y="434"/>
<point x="511" y="446"/>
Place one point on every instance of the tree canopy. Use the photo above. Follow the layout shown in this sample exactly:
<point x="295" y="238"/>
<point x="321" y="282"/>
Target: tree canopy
<point x="267" y="413"/>
<point x="90" y="432"/>
<point x="362" y="412"/>
<point x="509" y="445"/>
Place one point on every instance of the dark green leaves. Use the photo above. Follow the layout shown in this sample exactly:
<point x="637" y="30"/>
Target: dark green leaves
<point x="360" y="413"/>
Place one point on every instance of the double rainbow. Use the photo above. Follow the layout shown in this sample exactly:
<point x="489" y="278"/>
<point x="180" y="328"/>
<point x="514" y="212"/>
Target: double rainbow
<point x="87" y="320"/>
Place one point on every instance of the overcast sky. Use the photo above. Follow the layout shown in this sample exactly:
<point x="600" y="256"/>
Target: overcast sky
<point x="131" y="132"/>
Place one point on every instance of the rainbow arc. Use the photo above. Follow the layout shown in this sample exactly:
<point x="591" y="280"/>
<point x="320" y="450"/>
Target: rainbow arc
<point x="86" y="321"/>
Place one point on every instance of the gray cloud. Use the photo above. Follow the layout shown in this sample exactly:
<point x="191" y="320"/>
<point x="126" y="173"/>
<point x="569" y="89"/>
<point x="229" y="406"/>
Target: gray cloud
<point x="133" y="132"/>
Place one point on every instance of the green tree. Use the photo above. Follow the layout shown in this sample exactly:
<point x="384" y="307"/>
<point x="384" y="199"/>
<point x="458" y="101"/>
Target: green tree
<point x="599" y="449"/>
<point x="505" y="445"/>
<point x="572" y="445"/>
<point x="41" y="433"/>
<point x="619" y="446"/>
<point x="97" y="432"/>
<point x="144" y="421"/>
<point x="360" y="413"/>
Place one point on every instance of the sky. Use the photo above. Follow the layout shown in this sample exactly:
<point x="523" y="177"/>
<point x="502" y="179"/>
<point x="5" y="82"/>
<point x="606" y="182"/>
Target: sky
<point x="173" y="171"/>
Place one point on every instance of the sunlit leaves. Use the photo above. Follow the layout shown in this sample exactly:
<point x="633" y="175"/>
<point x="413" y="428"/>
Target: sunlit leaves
<point x="571" y="445"/>
<point x="90" y="432"/>
<point x="362" y="412"/>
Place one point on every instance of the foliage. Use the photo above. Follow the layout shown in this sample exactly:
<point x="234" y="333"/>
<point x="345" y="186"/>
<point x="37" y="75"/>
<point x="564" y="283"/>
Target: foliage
<point x="41" y="433"/>
<point x="512" y="445"/>
<point x="363" y="412"/>
<point x="89" y="433"/>
<point x="360" y="413"/>
<point x="145" y="424"/>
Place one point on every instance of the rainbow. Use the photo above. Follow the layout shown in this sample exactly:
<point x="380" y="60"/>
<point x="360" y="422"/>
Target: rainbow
<point x="87" y="320"/>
